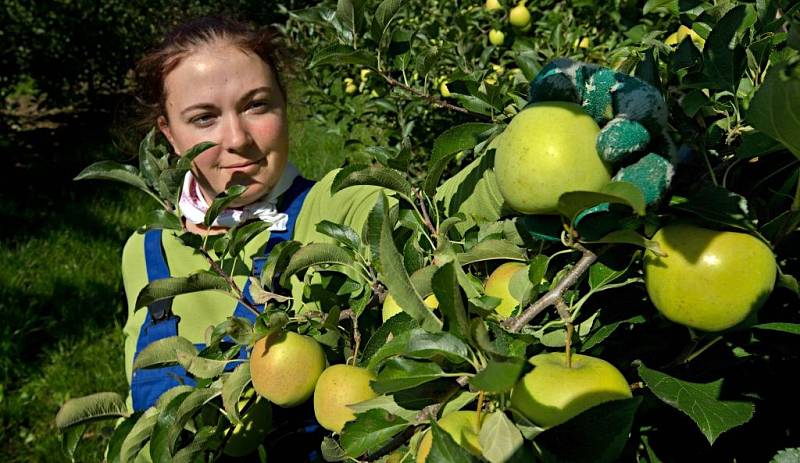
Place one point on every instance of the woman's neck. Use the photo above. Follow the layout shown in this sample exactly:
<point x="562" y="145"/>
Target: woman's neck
<point x="200" y="229"/>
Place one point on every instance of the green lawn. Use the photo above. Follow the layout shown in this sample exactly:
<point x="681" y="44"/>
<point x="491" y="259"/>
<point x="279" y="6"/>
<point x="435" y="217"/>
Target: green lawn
<point x="61" y="297"/>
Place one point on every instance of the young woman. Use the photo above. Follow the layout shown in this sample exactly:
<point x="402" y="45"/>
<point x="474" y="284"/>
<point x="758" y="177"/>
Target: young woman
<point x="218" y="80"/>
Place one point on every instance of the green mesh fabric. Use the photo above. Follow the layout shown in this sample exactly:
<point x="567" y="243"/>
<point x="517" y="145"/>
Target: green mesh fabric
<point x="621" y="137"/>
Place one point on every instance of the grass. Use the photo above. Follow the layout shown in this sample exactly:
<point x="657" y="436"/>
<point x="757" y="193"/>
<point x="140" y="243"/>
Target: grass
<point x="61" y="298"/>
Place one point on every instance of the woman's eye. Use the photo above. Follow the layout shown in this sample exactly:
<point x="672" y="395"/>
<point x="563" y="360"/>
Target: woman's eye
<point x="203" y="120"/>
<point x="259" y="106"/>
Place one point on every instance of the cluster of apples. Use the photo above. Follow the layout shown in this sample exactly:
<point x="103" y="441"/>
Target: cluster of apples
<point x="519" y="17"/>
<point x="709" y="280"/>
<point x="279" y="377"/>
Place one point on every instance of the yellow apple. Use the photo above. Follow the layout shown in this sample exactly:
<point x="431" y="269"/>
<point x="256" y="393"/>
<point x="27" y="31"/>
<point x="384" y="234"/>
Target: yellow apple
<point x="443" y="89"/>
<point x="339" y="386"/>
<point x="390" y="307"/>
<point x="710" y="280"/>
<point x="677" y="37"/>
<point x="548" y="149"/>
<point x="256" y="422"/>
<point x="496" y="37"/>
<point x="497" y="286"/>
<point x="519" y="16"/>
<point x="463" y="426"/>
<point x="285" y="366"/>
<point x="553" y="392"/>
<point x="492" y="5"/>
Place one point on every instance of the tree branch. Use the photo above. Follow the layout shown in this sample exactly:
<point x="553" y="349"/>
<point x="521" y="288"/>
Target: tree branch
<point x="515" y="324"/>
<point x="432" y="99"/>
<point x="215" y="266"/>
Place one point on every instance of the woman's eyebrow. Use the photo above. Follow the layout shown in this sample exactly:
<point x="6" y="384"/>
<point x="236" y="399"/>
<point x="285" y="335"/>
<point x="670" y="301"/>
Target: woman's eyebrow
<point x="247" y="96"/>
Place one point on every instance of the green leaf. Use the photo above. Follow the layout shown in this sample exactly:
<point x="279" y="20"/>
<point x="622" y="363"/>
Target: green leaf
<point x="187" y="409"/>
<point x="188" y="156"/>
<point x="570" y="204"/>
<point x="111" y="170"/>
<point x="99" y="406"/>
<point x="400" y="373"/>
<point x="232" y="387"/>
<point x="370" y="431"/>
<point x="317" y="254"/>
<point x="200" y="443"/>
<point x="202" y="367"/>
<point x="793" y="328"/>
<point x="598" y="435"/>
<point x="699" y="401"/>
<point x="138" y="435"/>
<point x="384" y="177"/>
<point x="159" y="439"/>
<point x="342" y="54"/>
<point x="601" y="274"/>
<point x="670" y="6"/>
<point x="787" y="456"/>
<point x="397" y="280"/>
<point x="445" y="450"/>
<point x="500" y="375"/>
<point x="160" y="218"/>
<point x="174" y="286"/>
<point x="604" y="331"/>
<point x="331" y="450"/>
<point x="242" y="235"/>
<point x="400" y="323"/>
<point x="70" y="438"/>
<point x="221" y="202"/>
<point x="717" y="204"/>
<point x="384" y="14"/>
<point x="492" y="250"/>
<point x="120" y="433"/>
<point x="450" y="142"/>
<point x="423" y="344"/>
<point x="723" y="63"/>
<point x="774" y="109"/>
<point x="163" y="351"/>
<point x="278" y="259"/>
<point x="499" y="438"/>
<point x="387" y="403"/>
<point x="341" y="233"/>
<point x="451" y="304"/>
<point x="350" y="16"/>
<point x="630" y="237"/>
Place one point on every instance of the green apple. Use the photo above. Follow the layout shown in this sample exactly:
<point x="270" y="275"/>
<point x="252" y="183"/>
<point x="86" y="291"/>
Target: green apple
<point x="390" y="307"/>
<point x="463" y="426"/>
<point x="496" y="37"/>
<point x="255" y="425"/>
<point x="274" y="367"/>
<point x="339" y="386"/>
<point x="548" y="149"/>
<point x="497" y="286"/>
<point x="519" y="16"/>
<point x="554" y="392"/>
<point x="709" y="280"/>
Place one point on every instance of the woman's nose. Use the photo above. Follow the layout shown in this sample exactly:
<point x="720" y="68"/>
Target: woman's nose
<point x="236" y="135"/>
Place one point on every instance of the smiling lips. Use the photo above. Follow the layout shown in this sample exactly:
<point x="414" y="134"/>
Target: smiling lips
<point x="242" y="165"/>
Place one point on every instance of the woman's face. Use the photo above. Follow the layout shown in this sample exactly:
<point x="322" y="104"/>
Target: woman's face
<point x="224" y="95"/>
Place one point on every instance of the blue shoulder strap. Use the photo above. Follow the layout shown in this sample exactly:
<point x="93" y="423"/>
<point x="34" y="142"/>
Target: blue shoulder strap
<point x="148" y="384"/>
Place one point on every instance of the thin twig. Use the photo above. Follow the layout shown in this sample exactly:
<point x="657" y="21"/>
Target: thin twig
<point x="425" y="217"/>
<point x="434" y="100"/>
<point x="515" y="324"/>
<point x="229" y="280"/>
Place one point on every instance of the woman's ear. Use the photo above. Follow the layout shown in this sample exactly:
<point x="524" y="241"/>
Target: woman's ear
<point x="163" y="126"/>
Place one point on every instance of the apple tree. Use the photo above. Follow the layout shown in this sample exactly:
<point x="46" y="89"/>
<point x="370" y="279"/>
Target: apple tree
<point x="664" y="331"/>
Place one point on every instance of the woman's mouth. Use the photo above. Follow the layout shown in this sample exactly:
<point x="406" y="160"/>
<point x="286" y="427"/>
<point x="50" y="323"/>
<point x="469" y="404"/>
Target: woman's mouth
<point x="242" y="166"/>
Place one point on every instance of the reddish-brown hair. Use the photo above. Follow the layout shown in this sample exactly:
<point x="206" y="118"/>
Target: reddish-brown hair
<point x="153" y="68"/>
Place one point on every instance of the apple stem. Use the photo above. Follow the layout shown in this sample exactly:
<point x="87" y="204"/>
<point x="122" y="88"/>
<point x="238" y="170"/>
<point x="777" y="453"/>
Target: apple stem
<point x="699" y="351"/>
<point x="480" y="405"/>
<point x="563" y="312"/>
